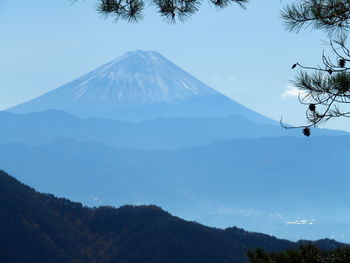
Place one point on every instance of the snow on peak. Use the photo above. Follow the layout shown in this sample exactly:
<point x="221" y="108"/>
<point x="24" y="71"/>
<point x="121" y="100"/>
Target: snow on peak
<point x="137" y="86"/>
<point x="140" y="76"/>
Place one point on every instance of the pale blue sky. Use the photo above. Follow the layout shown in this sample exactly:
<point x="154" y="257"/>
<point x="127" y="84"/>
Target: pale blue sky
<point x="245" y="54"/>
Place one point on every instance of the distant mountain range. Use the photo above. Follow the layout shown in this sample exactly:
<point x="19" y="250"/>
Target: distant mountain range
<point x="138" y="86"/>
<point x="40" y="228"/>
<point x="286" y="183"/>
<point x="172" y="133"/>
<point x="140" y="130"/>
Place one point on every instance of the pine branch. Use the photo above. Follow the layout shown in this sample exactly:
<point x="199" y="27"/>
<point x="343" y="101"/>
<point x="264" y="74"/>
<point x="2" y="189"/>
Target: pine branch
<point x="331" y="16"/>
<point x="171" y="10"/>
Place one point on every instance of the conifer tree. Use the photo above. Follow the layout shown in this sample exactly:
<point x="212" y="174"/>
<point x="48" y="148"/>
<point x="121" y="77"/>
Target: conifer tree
<point x="325" y="89"/>
<point x="171" y="10"/>
<point x="306" y="253"/>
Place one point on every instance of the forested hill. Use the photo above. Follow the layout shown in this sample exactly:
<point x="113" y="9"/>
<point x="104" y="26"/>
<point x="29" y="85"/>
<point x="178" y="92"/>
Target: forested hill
<point x="37" y="228"/>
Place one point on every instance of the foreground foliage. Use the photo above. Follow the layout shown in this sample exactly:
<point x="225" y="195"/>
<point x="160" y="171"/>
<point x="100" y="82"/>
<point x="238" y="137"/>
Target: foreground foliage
<point x="171" y="10"/>
<point x="306" y="253"/>
<point x="324" y="89"/>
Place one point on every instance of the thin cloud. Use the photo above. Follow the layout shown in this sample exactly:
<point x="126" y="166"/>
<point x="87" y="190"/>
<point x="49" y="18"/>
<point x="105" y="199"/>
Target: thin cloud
<point x="301" y="222"/>
<point x="231" y="78"/>
<point x="292" y="92"/>
<point x="224" y="210"/>
<point x="222" y="79"/>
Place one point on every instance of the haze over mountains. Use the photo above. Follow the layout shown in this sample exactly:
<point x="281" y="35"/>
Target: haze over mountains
<point x="139" y="130"/>
<point x="275" y="185"/>
<point x="171" y="133"/>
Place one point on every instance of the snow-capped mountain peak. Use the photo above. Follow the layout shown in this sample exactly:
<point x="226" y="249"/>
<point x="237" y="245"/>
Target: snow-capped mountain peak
<point x="139" y="77"/>
<point x="137" y="86"/>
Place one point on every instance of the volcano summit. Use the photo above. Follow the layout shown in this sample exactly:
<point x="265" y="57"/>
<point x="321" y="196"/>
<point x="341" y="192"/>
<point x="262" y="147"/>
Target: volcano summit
<point x="137" y="86"/>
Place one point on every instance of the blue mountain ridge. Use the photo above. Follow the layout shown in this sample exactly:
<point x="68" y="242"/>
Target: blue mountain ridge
<point x="285" y="182"/>
<point x="171" y="133"/>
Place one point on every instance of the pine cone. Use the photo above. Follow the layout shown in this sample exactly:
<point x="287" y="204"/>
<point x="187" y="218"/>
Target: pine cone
<point x="307" y="132"/>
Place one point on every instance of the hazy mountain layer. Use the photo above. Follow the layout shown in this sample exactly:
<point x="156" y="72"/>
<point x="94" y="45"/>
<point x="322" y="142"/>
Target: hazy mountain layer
<point x="295" y="186"/>
<point x="137" y="86"/>
<point x="40" y="228"/>
<point x="43" y="127"/>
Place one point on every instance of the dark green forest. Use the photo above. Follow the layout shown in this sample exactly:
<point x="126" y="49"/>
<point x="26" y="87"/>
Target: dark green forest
<point x="306" y="253"/>
<point x="37" y="228"/>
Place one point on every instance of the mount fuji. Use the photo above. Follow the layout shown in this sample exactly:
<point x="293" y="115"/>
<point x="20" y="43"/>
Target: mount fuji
<point x="138" y="86"/>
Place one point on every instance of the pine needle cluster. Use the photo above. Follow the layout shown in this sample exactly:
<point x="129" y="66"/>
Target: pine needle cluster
<point x="171" y="10"/>
<point x="325" y="89"/>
